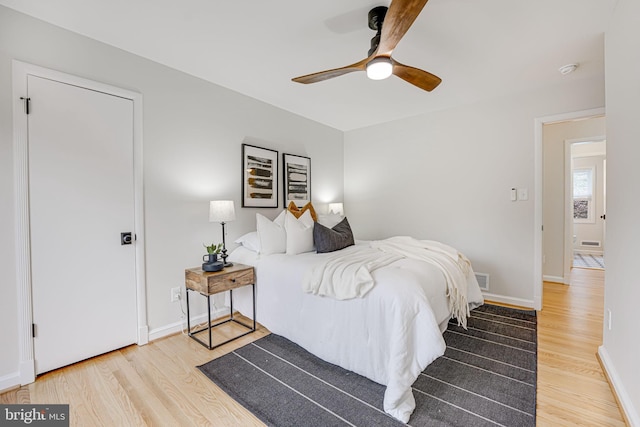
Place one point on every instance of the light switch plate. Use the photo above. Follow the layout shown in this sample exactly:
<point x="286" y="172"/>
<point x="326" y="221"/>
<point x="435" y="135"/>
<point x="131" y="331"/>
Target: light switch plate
<point x="523" y="194"/>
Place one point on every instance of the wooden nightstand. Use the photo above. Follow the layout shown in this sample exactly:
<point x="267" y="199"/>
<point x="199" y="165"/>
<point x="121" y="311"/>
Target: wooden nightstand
<point x="208" y="284"/>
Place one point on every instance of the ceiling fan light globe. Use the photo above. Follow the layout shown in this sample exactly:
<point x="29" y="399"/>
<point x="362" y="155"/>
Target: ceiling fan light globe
<point x="379" y="69"/>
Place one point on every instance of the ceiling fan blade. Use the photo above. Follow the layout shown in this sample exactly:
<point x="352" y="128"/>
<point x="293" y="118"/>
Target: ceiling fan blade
<point x="329" y="74"/>
<point x="399" y="18"/>
<point x="415" y="76"/>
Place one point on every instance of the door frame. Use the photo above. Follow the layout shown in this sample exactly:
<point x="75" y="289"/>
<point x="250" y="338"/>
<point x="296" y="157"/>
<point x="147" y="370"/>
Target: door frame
<point x="539" y="123"/>
<point x="20" y="71"/>
<point x="568" y="203"/>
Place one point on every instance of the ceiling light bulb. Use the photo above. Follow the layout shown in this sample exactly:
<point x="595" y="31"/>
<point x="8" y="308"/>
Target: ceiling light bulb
<point x="379" y="68"/>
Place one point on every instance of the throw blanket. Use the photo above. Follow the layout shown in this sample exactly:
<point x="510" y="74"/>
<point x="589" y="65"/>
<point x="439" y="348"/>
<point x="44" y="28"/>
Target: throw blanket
<point x="454" y="265"/>
<point x="347" y="274"/>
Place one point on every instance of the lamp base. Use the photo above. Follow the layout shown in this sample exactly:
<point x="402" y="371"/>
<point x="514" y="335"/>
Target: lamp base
<point x="224" y="256"/>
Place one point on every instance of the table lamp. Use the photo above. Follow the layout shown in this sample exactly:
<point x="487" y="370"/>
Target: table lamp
<point x="336" y="208"/>
<point x="222" y="211"/>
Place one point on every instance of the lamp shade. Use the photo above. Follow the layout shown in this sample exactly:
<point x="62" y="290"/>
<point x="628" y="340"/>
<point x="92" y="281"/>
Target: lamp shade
<point x="221" y="211"/>
<point x="336" y="208"/>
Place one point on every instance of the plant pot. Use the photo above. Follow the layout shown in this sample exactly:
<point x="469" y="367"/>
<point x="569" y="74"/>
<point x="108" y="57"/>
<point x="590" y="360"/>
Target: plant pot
<point x="210" y="258"/>
<point x="212" y="266"/>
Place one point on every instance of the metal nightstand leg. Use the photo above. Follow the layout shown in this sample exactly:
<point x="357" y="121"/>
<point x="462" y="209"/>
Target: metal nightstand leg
<point x="231" y="319"/>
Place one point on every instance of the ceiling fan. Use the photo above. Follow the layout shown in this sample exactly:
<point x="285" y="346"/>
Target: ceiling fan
<point x="390" y="25"/>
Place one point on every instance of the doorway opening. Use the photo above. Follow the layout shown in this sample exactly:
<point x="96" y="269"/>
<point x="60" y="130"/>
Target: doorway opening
<point x="585" y="172"/>
<point x="550" y="134"/>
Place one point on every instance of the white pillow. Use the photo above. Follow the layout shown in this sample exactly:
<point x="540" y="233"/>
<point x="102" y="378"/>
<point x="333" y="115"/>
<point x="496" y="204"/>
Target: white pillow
<point x="299" y="233"/>
<point x="273" y="238"/>
<point x="250" y="241"/>
<point x="330" y="220"/>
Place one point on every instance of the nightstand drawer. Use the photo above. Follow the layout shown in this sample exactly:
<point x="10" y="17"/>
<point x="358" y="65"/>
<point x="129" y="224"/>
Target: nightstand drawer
<point x="211" y="283"/>
<point x="230" y="281"/>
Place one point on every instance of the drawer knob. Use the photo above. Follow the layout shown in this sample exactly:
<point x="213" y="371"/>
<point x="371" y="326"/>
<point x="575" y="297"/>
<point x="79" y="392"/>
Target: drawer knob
<point x="233" y="280"/>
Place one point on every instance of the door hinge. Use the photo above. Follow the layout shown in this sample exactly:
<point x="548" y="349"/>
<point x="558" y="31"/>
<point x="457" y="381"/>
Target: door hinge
<point x="33" y="330"/>
<point x="27" y="101"/>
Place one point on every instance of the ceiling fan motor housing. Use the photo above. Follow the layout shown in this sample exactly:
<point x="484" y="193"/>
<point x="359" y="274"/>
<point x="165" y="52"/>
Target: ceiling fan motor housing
<point x="376" y="18"/>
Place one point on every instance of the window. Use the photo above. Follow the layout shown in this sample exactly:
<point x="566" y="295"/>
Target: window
<point x="583" y="203"/>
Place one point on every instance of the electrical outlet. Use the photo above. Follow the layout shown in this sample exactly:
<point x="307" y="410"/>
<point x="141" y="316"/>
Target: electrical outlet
<point x="609" y="318"/>
<point x="175" y="294"/>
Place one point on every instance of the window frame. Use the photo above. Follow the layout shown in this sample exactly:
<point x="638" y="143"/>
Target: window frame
<point x="591" y="201"/>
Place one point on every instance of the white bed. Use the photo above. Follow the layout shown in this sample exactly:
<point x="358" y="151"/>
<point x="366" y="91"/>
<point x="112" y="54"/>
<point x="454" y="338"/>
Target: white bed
<point x="389" y="336"/>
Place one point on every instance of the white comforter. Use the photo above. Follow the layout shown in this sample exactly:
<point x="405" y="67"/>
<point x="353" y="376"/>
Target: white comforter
<point x="347" y="274"/>
<point x="389" y="336"/>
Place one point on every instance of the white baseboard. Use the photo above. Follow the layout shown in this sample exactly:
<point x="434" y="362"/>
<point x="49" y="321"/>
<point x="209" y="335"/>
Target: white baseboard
<point x="9" y="381"/>
<point x="181" y="325"/>
<point x="509" y="300"/>
<point x="631" y="413"/>
<point x="554" y="279"/>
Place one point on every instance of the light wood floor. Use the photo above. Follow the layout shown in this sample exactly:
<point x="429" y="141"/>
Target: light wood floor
<point x="158" y="384"/>
<point x="572" y="389"/>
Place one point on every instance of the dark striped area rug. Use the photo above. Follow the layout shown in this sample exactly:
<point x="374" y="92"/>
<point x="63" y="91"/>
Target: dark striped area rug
<point x="487" y="377"/>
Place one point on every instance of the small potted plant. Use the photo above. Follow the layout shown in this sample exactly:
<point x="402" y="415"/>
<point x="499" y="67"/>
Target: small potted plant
<point x="212" y="252"/>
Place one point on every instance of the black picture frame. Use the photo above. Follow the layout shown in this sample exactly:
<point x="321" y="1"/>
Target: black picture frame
<point x="296" y="172"/>
<point x="259" y="177"/>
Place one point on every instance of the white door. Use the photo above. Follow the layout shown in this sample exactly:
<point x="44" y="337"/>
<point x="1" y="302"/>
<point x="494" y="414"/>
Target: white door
<point x="81" y="195"/>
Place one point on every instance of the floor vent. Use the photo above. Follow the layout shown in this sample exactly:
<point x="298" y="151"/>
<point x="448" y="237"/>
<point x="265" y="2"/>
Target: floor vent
<point x="483" y="281"/>
<point x="592" y="243"/>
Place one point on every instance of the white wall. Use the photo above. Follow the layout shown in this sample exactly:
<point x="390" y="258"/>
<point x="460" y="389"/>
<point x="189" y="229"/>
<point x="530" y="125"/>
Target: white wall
<point x="553" y="217"/>
<point x="193" y="131"/>
<point x="447" y="176"/>
<point x="621" y="348"/>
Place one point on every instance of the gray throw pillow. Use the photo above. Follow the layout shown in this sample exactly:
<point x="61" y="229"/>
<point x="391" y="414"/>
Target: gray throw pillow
<point x="332" y="239"/>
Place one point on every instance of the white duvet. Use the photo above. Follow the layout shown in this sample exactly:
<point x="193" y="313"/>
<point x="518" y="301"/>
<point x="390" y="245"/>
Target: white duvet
<point x="389" y="336"/>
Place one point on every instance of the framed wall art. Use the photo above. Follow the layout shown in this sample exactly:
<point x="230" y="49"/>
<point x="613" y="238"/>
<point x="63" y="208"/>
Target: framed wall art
<point x="259" y="177"/>
<point x="297" y="179"/>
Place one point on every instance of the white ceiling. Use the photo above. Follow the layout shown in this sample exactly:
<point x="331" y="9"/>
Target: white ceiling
<point x="480" y="48"/>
